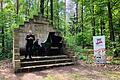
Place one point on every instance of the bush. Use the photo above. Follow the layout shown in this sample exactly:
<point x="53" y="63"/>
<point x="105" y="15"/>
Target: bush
<point x="82" y="57"/>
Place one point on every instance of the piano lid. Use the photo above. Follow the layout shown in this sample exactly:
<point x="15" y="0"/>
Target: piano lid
<point x="53" y="38"/>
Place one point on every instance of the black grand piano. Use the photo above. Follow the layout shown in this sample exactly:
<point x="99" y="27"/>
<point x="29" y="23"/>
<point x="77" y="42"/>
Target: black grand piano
<point x="53" y="45"/>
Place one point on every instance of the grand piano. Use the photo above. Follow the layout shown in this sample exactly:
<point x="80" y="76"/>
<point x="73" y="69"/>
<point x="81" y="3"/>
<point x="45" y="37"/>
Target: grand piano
<point x="53" y="45"/>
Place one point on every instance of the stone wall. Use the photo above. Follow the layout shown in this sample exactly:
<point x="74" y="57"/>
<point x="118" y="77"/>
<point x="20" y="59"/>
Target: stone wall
<point x="40" y="29"/>
<point x="16" y="54"/>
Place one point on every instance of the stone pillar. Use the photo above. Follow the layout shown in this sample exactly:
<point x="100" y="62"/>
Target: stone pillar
<point x="16" y="52"/>
<point x="75" y="59"/>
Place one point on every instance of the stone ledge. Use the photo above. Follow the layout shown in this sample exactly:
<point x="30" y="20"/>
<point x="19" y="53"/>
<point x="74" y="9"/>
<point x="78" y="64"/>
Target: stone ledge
<point x="16" y="65"/>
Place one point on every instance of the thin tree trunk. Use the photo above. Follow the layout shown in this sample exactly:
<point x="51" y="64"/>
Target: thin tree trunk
<point x="65" y="17"/>
<point x="93" y="19"/>
<point x="119" y="37"/>
<point x="58" y="13"/>
<point x="101" y="26"/>
<point x="101" y="21"/>
<point x="51" y="10"/>
<point x="82" y="25"/>
<point x="112" y="37"/>
<point x="17" y="7"/>
<point x="119" y="33"/>
<point x="3" y="37"/>
<point x="47" y="7"/>
<point x="42" y="7"/>
<point x="77" y="11"/>
<point x="27" y="9"/>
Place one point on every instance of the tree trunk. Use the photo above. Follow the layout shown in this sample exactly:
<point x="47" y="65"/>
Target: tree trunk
<point x="119" y="38"/>
<point x="119" y="32"/>
<point x="93" y="19"/>
<point x="77" y="11"/>
<point x="82" y="25"/>
<point x="3" y="37"/>
<point x="65" y="18"/>
<point x="51" y="10"/>
<point x="101" y="21"/>
<point x="58" y="13"/>
<point x="27" y="9"/>
<point x="17" y="7"/>
<point x="42" y="7"/>
<point x="112" y="37"/>
<point x="101" y="26"/>
<point x="47" y="7"/>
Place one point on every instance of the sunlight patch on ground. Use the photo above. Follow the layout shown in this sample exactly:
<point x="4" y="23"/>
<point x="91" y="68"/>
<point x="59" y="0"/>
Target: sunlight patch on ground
<point x="112" y="75"/>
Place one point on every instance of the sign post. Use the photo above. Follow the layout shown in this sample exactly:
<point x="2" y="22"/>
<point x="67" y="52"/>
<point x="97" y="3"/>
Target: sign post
<point x="99" y="49"/>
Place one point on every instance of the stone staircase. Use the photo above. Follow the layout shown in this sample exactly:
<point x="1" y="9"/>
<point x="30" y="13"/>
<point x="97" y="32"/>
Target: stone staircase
<point x="43" y="62"/>
<point x="40" y="27"/>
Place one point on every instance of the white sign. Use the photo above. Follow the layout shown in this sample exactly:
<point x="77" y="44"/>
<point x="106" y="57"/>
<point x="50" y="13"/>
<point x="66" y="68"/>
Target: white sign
<point x="99" y="49"/>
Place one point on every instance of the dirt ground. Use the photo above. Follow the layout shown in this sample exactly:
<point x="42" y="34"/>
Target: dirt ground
<point x="82" y="71"/>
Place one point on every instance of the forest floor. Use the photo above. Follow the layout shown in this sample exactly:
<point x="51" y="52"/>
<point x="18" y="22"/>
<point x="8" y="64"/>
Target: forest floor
<point x="82" y="71"/>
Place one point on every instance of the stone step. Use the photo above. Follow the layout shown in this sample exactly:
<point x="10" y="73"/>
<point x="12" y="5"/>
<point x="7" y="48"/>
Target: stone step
<point x="41" y="22"/>
<point x="42" y="52"/>
<point x="44" y="62"/>
<point x="37" y="58"/>
<point x="43" y="67"/>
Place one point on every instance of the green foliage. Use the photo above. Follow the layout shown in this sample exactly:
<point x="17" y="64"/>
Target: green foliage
<point x="10" y="21"/>
<point x="75" y="33"/>
<point x="114" y="49"/>
<point x="82" y="57"/>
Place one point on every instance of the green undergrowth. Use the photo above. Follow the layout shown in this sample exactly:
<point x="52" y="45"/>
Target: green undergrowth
<point x="82" y="54"/>
<point x="116" y="61"/>
<point x="88" y="55"/>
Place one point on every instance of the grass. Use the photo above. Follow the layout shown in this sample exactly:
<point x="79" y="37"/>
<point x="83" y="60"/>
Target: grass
<point x="75" y="76"/>
<point x="115" y="61"/>
<point x="2" y="77"/>
<point x="112" y="75"/>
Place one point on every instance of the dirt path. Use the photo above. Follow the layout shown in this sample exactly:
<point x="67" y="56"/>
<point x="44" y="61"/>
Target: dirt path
<point x="82" y="71"/>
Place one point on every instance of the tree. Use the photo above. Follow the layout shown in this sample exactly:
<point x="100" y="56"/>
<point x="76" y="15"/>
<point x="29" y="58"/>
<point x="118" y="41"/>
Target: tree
<point x="47" y="8"/>
<point x="93" y="17"/>
<point x="17" y="6"/>
<point x="3" y="37"/>
<point x="42" y="7"/>
<point x="82" y="5"/>
<point x="112" y="37"/>
<point x="78" y="25"/>
<point x="57" y="13"/>
<point x="51" y="11"/>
